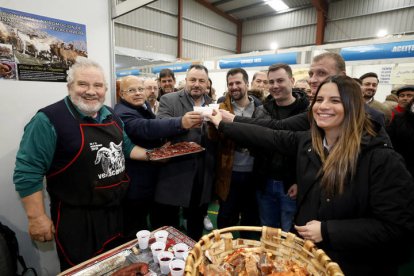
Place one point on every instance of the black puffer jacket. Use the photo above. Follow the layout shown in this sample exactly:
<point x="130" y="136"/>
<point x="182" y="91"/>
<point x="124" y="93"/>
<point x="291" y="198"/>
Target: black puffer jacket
<point x="270" y="163"/>
<point x="363" y="227"/>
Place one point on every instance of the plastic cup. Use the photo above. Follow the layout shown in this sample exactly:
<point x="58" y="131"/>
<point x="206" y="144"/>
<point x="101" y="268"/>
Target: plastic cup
<point x="143" y="238"/>
<point x="185" y="255"/>
<point x="161" y="236"/>
<point x="156" y="248"/>
<point x="214" y="106"/>
<point x="177" y="267"/>
<point x="164" y="258"/>
<point x="179" y="250"/>
<point x="205" y="111"/>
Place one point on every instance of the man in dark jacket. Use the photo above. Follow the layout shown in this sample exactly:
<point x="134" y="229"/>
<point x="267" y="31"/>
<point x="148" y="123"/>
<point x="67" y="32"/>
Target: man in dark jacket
<point x="143" y="129"/>
<point x="276" y="173"/>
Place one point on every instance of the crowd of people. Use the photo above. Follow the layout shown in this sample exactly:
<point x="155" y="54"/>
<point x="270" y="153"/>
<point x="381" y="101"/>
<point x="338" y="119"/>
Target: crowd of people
<point x="318" y="157"/>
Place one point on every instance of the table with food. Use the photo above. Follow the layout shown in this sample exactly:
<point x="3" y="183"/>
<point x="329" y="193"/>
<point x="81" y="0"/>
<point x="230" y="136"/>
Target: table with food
<point x="140" y="257"/>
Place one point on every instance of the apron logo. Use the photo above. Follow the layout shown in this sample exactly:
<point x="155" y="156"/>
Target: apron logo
<point x="112" y="160"/>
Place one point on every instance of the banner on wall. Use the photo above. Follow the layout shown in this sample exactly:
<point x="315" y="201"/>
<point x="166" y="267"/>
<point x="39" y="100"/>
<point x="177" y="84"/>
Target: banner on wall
<point x="402" y="49"/>
<point x="176" y="67"/>
<point x="134" y="72"/>
<point x="38" y="48"/>
<point x="256" y="61"/>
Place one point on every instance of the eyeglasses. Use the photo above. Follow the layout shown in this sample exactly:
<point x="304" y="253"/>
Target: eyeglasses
<point x="135" y="90"/>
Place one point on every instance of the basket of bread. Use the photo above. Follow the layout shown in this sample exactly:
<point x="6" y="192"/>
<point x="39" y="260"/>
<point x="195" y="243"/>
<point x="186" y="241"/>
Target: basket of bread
<point x="278" y="253"/>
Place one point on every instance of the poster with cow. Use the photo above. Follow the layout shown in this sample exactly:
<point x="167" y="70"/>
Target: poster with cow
<point x="38" y="48"/>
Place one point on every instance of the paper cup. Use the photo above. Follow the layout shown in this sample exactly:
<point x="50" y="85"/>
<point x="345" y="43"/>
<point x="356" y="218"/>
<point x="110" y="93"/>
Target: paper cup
<point x="164" y="259"/>
<point x="161" y="236"/>
<point x="179" y="250"/>
<point x="214" y="106"/>
<point x="156" y="248"/>
<point x="143" y="239"/>
<point x="177" y="267"/>
<point x="205" y="111"/>
<point x="185" y="255"/>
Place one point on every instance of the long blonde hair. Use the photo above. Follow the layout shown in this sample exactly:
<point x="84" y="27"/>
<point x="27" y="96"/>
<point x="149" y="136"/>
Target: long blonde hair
<point x="341" y="162"/>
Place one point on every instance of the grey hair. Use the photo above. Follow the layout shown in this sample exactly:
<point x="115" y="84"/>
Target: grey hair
<point x="83" y="63"/>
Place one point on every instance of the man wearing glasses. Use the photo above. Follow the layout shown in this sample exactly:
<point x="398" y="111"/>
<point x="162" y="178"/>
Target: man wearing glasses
<point x="143" y="129"/>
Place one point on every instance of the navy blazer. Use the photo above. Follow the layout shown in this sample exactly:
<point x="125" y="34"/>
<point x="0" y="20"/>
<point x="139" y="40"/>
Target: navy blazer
<point x="146" y="131"/>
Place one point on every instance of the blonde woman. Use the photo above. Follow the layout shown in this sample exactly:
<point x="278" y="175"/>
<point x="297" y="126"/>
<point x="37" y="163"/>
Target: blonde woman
<point x="355" y="196"/>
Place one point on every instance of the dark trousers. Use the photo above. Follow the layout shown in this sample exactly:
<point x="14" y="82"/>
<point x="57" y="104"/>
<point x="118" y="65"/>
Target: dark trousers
<point x="240" y="204"/>
<point x="195" y="212"/>
<point x="135" y="214"/>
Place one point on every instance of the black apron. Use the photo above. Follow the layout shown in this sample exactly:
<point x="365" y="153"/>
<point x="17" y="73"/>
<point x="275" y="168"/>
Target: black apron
<point x="86" y="194"/>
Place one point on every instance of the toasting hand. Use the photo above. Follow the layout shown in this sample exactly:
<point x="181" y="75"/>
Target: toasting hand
<point x="215" y="117"/>
<point x="191" y="119"/>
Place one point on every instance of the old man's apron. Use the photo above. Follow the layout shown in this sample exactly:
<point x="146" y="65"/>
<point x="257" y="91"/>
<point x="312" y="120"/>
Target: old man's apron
<point x="86" y="183"/>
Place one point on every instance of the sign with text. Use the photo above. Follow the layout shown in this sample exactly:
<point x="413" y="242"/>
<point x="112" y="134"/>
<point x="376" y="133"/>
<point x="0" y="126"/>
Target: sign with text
<point x="402" y="49"/>
<point x="38" y="48"/>
<point x="403" y="75"/>
<point x="256" y="61"/>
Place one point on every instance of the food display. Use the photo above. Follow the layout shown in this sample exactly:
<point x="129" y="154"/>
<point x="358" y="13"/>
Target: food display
<point x="137" y="269"/>
<point x="178" y="149"/>
<point x="128" y="259"/>
<point x="277" y="253"/>
<point x="253" y="262"/>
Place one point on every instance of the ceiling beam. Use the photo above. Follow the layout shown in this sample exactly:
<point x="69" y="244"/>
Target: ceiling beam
<point x="248" y="7"/>
<point x="218" y="3"/>
<point x="321" y="7"/>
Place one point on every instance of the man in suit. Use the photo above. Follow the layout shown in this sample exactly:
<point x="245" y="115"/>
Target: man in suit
<point x="187" y="181"/>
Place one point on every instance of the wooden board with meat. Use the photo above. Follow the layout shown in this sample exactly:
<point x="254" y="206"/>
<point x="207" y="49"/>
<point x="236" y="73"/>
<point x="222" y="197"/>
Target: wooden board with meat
<point x="174" y="150"/>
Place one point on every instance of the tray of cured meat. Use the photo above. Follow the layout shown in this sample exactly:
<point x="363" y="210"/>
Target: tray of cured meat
<point x="127" y="259"/>
<point x="174" y="150"/>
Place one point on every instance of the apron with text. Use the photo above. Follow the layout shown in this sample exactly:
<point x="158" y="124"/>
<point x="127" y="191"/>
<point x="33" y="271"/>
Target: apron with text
<point x="86" y="194"/>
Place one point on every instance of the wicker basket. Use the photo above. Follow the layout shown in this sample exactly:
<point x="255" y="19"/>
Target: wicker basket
<point x="220" y="243"/>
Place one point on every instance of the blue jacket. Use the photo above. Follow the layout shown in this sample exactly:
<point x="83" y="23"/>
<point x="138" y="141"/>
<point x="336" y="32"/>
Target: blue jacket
<point x="146" y="131"/>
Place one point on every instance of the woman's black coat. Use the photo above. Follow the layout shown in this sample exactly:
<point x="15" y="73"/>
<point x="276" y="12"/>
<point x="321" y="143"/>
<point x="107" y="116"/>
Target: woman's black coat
<point x="361" y="227"/>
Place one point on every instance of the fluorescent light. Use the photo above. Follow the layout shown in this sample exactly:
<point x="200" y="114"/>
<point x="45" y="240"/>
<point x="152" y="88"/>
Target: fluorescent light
<point x="277" y="5"/>
<point x="274" y="45"/>
<point x="382" y="33"/>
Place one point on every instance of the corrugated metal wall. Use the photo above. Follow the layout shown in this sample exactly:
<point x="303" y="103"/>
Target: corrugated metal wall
<point x="206" y="33"/>
<point x="355" y="19"/>
<point x="154" y="28"/>
<point x="150" y="28"/>
<point x="296" y="28"/>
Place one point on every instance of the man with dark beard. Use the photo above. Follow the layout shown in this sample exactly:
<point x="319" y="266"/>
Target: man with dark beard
<point x="234" y="181"/>
<point x="80" y="146"/>
<point x="166" y="82"/>
<point x="369" y="89"/>
<point x="187" y="180"/>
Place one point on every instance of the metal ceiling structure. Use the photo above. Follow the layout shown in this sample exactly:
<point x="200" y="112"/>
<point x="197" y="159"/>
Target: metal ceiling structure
<point x="253" y="9"/>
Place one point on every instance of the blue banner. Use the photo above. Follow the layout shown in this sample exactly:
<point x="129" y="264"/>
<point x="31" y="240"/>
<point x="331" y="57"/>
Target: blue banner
<point x="403" y="49"/>
<point x="177" y="67"/>
<point x="255" y="61"/>
<point x="134" y="72"/>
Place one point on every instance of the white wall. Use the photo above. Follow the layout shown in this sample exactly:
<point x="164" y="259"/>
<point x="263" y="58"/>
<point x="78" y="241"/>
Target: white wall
<point x="19" y="101"/>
